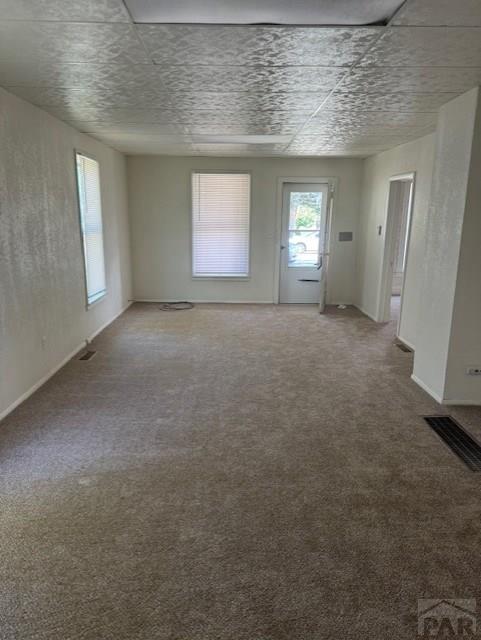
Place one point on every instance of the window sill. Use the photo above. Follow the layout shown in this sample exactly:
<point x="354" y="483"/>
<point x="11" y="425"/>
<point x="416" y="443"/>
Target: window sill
<point x="89" y="305"/>
<point x="226" y="278"/>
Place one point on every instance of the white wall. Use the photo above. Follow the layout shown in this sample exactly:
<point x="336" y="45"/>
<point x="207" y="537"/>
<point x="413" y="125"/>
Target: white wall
<point x="416" y="156"/>
<point x="42" y="291"/>
<point x="465" y="347"/>
<point x="449" y="318"/>
<point x="160" y="210"/>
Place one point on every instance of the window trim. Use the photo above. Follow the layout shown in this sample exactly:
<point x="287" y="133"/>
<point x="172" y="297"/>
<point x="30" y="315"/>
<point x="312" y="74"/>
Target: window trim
<point x="103" y="295"/>
<point x="212" y="278"/>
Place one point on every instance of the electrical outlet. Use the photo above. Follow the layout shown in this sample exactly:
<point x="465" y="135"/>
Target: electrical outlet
<point x="473" y="371"/>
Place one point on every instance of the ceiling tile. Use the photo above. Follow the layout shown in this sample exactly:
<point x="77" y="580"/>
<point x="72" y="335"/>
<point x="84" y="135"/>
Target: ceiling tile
<point x="315" y="141"/>
<point x="314" y="144"/>
<point x="172" y="139"/>
<point x="334" y="150"/>
<point x="427" y="47"/>
<point x="440" y="13"/>
<point x="266" y="101"/>
<point x="245" y="139"/>
<point x="19" y="72"/>
<point x="242" y="116"/>
<point x="243" y="129"/>
<point x="64" y="10"/>
<point x="71" y="42"/>
<point x="92" y="98"/>
<point x="242" y="78"/>
<point x="414" y="79"/>
<point x="187" y="117"/>
<point x="54" y="73"/>
<point x="350" y="138"/>
<point x="239" y="149"/>
<point x="37" y="73"/>
<point x="378" y="101"/>
<point x="255" y="45"/>
<point x="327" y="128"/>
<point x="106" y="128"/>
<point x="136" y="146"/>
<point x="373" y="118"/>
<point x="115" y="116"/>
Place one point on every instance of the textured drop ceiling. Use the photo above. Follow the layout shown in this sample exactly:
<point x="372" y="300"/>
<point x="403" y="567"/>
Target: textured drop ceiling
<point x="197" y="89"/>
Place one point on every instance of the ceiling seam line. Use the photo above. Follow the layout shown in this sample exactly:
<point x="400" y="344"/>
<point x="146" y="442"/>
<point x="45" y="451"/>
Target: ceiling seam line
<point x="154" y="65"/>
<point x="351" y="69"/>
<point x="339" y="83"/>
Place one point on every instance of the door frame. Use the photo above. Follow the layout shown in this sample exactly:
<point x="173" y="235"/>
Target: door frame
<point x="332" y="185"/>
<point x="386" y="274"/>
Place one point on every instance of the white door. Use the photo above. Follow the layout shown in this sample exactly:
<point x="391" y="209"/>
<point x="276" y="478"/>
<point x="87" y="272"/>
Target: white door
<point x="304" y="215"/>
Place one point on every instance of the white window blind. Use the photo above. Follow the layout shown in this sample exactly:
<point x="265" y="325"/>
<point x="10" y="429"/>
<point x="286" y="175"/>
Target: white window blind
<point x="220" y="224"/>
<point x="88" y="182"/>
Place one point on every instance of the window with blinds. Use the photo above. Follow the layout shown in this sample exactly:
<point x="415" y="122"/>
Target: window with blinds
<point x="88" y="183"/>
<point x="220" y="225"/>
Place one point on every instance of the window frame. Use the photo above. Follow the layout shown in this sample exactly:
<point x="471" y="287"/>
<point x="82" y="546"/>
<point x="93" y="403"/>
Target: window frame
<point x="103" y="295"/>
<point x="242" y="278"/>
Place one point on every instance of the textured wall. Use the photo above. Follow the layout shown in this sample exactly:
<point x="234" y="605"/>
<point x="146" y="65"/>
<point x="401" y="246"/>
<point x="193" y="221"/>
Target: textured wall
<point x="416" y="156"/>
<point x="160" y="210"/>
<point x="465" y="347"/>
<point x="42" y="294"/>
<point x="449" y="336"/>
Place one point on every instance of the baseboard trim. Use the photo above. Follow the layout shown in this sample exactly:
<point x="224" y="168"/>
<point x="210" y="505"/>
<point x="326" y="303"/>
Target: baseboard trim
<point x="41" y="382"/>
<point x="407" y="343"/>
<point x="328" y="304"/>
<point x="366" y="313"/>
<point x="425" y="388"/>
<point x="208" y="301"/>
<point x="106" y="324"/>
<point x="462" y="403"/>
<point x="57" y="367"/>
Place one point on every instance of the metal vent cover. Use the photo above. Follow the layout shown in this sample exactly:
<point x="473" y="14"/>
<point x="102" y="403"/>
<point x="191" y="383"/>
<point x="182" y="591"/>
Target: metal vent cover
<point x="457" y="439"/>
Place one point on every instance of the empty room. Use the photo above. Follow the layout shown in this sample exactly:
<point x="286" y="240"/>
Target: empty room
<point x="240" y="335"/>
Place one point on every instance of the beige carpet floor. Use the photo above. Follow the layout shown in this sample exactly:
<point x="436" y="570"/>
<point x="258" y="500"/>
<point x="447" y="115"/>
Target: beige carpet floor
<point x="233" y="472"/>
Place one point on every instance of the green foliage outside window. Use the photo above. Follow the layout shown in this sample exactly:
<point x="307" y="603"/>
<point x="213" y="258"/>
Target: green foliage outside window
<point x="305" y="210"/>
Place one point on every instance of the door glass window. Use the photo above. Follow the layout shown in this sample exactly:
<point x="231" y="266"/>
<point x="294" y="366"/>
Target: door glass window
<point x="304" y="228"/>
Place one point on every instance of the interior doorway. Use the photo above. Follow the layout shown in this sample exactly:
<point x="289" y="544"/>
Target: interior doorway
<point x="396" y="248"/>
<point x="303" y="240"/>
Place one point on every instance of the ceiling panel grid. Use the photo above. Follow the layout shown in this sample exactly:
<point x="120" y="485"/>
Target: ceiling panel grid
<point x="224" y="90"/>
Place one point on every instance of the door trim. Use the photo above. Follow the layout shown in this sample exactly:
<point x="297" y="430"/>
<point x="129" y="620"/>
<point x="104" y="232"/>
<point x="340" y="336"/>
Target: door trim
<point x="332" y="184"/>
<point x="385" y="280"/>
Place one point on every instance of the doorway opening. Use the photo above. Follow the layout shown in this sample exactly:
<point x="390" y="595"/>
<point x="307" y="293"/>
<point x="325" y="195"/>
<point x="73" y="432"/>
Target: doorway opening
<point x="396" y="248"/>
